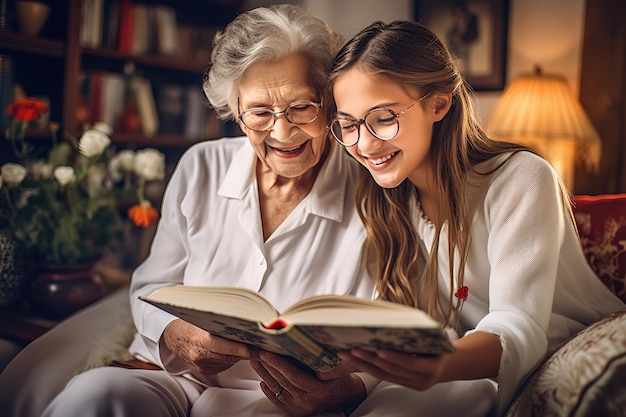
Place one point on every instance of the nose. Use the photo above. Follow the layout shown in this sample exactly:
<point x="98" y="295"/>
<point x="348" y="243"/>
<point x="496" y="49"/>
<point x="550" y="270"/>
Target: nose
<point x="282" y="128"/>
<point x="367" y="143"/>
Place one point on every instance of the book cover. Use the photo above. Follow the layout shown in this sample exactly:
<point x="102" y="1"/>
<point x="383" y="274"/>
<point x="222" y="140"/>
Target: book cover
<point x="110" y="23"/>
<point x="6" y="88"/>
<point x="125" y="37"/>
<point x="146" y="106"/>
<point x="166" y="30"/>
<point x="312" y="330"/>
<point x="170" y="108"/>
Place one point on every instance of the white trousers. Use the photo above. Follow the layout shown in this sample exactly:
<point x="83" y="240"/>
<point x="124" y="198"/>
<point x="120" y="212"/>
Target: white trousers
<point x="110" y="391"/>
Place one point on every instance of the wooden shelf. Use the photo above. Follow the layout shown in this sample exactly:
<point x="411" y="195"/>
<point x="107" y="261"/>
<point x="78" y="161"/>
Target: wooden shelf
<point x="156" y="61"/>
<point x="53" y="64"/>
<point x="17" y="42"/>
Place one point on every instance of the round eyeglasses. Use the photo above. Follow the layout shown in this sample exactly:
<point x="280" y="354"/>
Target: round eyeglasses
<point x="261" y="119"/>
<point x="381" y="122"/>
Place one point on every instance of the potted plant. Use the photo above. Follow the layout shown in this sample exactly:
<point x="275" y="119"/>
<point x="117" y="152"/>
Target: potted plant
<point x="64" y="208"/>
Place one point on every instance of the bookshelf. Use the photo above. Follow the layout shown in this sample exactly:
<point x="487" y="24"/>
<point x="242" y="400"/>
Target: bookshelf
<point x="58" y="63"/>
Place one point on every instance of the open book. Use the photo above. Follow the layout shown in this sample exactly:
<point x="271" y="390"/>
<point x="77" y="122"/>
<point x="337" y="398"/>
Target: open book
<point x="311" y="330"/>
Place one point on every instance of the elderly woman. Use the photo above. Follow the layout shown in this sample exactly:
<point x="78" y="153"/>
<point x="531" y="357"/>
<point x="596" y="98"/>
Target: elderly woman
<point x="273" y="212"/>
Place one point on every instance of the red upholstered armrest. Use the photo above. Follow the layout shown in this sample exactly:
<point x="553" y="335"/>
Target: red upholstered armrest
<point x="601" y="224"/>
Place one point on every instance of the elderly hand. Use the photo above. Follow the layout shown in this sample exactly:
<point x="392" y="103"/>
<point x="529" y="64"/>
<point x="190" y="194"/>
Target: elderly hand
<point x="206" y="353"/>
<point x="300" y="392"/>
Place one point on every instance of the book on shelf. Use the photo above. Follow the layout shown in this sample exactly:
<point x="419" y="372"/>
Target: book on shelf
<point x="166" y="28"/>
<point x="147" y="106"/>
<point x="311" y="330"/>
<point x="170" y="103"/>
<point x="7" y="86"/>
<point x="106" y="96"/>
<point x="126" y="26"/>
<point x="110" y="23"/>
<point x="141" y="27"/>
<point x="200" y="122"/>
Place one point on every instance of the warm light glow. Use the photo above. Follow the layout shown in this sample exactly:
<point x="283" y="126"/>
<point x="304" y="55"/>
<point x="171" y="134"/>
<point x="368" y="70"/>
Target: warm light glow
<point x="540" y="111"/>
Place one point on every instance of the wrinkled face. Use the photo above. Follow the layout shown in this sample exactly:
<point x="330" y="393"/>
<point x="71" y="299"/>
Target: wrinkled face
<point x="289" y="150"/>
<point x="389" y="161"/>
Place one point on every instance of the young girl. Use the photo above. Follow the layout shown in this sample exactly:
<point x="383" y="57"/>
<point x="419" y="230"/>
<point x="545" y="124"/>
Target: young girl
<point x="477" y="232"/>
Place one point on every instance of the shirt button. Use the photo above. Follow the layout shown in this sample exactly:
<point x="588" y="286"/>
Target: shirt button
<point x="261" y="261"/>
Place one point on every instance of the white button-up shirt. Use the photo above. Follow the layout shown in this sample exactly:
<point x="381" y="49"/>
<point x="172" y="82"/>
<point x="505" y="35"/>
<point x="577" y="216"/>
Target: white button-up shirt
<point x="210" y="233"/>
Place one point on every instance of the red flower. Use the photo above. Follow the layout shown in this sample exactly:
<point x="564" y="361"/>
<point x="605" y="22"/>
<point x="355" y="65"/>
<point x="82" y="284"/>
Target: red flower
<point x="143" y="214"/>
<point x="462" y="293"/>
<point x="27" y="109"/>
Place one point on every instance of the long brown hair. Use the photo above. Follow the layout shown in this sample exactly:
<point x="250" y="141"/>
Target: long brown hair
<point x="410" y="54"/>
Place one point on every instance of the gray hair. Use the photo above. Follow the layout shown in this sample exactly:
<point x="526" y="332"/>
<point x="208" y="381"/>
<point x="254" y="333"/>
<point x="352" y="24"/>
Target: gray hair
<point x="266" y="34"/>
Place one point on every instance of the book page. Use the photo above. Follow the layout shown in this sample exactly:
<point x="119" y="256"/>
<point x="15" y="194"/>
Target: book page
<point x="350" y="311"/>
<point x="229" y="301"/>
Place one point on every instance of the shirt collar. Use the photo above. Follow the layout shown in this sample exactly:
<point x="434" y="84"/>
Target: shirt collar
<point x="327" y="196"/>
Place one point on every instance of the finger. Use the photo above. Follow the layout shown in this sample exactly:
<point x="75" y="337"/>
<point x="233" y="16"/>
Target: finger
<point x="277" y="396"/>
<point x="370" y="366"/>
<point x="200" y="353"/>
<point x="400" y="363"/>
<point x="288" y="373"/>
<point x="403" y="373"/>
<point x="219" y="345"/>
<point x="266" y="378"/>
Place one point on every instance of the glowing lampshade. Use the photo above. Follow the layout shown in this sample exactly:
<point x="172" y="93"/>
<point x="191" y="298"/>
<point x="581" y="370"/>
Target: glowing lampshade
<point x="540" y="111"/>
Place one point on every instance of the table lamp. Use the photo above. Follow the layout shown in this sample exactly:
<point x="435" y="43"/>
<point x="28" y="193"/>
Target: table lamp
<point x="540" y="111"/>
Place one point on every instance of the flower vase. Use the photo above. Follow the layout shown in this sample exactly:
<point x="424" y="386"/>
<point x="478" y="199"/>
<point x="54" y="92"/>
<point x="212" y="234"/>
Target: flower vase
<point x="12" y="275"/>
<point x="31" y="16"/>
<point x="59" y="290"/>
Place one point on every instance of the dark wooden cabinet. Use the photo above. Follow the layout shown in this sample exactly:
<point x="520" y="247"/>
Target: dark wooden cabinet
<point x="603" y="94"/>
<point x="53" y="64"/>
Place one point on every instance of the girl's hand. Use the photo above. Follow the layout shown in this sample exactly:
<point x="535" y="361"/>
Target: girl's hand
<point x="300" y="392"/>
<point x="205" y="353"/>
<point x="416" y="372"/>
<point x="477" y="356"/>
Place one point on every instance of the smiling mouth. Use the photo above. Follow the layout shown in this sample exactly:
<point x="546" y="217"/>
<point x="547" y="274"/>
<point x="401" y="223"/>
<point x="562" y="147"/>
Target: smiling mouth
<point x="288" y="150"/>
<point x="382" y="159"/>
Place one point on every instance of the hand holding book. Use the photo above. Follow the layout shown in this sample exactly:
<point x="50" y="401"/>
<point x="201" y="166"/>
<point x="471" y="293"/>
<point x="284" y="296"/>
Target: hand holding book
<point x="312" y="330"/>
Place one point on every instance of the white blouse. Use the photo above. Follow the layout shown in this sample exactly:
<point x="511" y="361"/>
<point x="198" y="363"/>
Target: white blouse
<point x="529" y="281"/>
<point x="210" y="233"/>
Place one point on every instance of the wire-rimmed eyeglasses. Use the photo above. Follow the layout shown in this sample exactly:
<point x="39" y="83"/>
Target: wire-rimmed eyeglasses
<point x="381" y="122"/>
<point x="261" y="119"/>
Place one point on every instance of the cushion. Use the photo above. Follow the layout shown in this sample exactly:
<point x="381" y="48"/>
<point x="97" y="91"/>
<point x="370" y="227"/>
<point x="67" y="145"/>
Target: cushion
<point x="585" y="376"/>
<point x="601" y="222"/>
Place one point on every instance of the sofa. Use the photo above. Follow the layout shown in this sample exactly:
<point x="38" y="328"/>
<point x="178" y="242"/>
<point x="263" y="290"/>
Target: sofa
<point x="584" y="376"/>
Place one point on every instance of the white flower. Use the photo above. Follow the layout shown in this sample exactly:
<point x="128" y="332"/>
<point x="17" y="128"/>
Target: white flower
<point x="104" y="128"/>
<point x="13" y="174"/>
<point x="150" y="164"/>
<point x="122" y="163"/>
<point x="64" y="174"/>
<point x="92" y="143"/>
<point x="42" y="170"/>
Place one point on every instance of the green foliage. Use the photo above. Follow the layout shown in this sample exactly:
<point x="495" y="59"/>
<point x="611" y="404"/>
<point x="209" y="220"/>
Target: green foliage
<point x="66" y="224"/>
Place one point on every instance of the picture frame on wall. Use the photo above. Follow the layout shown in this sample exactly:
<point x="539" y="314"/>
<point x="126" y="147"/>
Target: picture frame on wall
<point x="475" y="31"/>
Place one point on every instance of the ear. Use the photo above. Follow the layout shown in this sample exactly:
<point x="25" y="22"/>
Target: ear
<point x="441" y="105"/>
